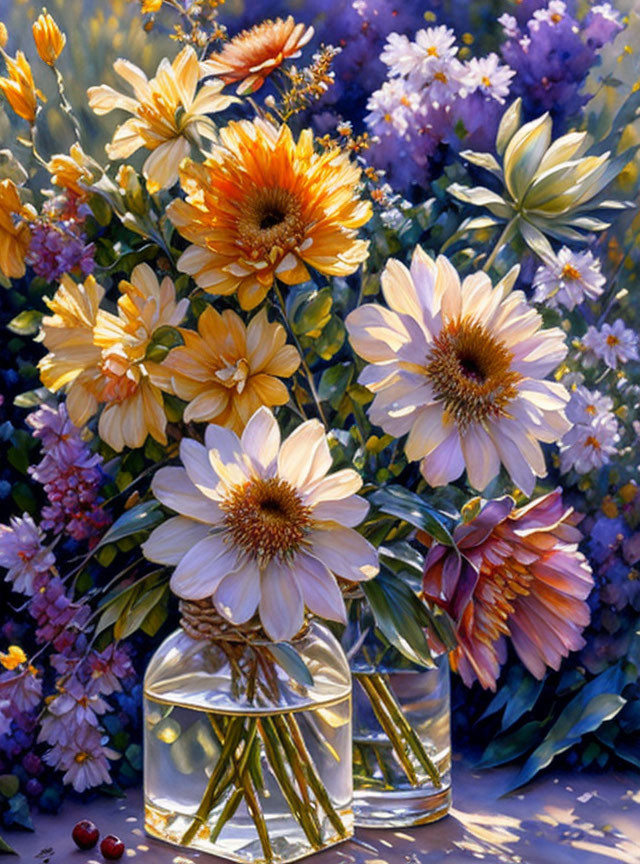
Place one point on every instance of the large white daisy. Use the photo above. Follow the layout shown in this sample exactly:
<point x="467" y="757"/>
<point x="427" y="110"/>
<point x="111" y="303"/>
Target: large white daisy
<point x="263" y="526"/>
<point x="460" y="367"/>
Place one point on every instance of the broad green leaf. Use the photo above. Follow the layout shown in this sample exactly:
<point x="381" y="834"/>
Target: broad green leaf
<point x="597" y="702"/>
<point x="412" y="508"/>
<point x="5" y="849"/>
<point x="139" y="518"/>
<point x="27" y="323"/>
<point x="312" y="314"/>
<point x="290" y="660"/>
<point x="116" y="606"/>
<point x="162" y="341"/>
<point x="134" y="614"/>
<point x="399" y="615"/>
<point x="334" y="382"/>
<point x="504" y="748"/>
<point x="522" y="699"/>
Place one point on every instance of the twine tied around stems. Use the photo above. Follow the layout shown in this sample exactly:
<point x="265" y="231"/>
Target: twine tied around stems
<point x="201" y="620"/>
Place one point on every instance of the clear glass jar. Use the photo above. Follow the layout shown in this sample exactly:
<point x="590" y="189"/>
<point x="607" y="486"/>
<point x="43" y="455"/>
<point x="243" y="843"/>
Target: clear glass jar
<point x="242" y="760"/>
<point x="401" y="737"/>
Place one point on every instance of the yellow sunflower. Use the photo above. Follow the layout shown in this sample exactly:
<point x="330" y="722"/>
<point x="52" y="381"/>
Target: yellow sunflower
<point x="264" y="206"/>
<point x="227" y="370"/>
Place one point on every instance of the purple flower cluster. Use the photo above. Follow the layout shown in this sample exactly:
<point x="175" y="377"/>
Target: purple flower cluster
<point x="432" y="100"/>
<point x="59" y="247"/>
<point x="552" y="53"/>
<point x="70" y="474"/>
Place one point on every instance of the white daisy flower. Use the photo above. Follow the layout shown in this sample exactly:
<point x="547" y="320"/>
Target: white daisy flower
<point x="461" y="369"/>
<point x="586" y="447"/>
<point x="613" y="343"/>
<point x="585" y="405"/>
<point x="568" y="280"/>
<point x="262" y="525"/>
<point x="489" y="76"/>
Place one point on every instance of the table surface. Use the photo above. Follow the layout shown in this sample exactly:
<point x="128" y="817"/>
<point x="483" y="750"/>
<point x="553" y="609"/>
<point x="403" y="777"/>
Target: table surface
<point x="560" y="818"/>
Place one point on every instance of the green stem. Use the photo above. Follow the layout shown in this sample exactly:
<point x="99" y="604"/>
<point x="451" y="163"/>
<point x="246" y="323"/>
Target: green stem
<point x="272" y="750"/>
<point x="502" y="239"/>
<point x="312" y="778"/>
<point x="397" y="715"/>
<point x="305" y="366"/>
<point x="390" y="729"/>
<point x="212" y="791"/>
<point x="65" y="104"/>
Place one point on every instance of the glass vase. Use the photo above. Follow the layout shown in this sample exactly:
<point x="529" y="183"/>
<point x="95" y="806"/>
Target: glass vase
<point x="401" y="737"/>
<point x="243" y="759"/>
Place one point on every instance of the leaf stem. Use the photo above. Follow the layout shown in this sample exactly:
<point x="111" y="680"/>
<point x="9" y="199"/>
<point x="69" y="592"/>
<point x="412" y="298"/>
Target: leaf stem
<point x="502" y="239"/>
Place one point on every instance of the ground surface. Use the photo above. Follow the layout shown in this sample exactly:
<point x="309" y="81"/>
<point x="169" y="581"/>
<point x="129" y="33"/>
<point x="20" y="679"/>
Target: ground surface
<point x="558" y="819"/>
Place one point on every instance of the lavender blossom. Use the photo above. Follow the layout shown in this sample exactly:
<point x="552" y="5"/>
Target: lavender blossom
<point x="23" y="555"/>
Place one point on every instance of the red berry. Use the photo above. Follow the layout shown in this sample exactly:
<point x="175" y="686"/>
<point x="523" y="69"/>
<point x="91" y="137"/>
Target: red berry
<point x="112" y="847"/>
<point x="85" y="834"/>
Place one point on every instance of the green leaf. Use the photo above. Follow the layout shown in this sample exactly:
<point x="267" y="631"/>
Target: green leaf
<point x="141" y="603"/>
<point x="27" y="323"/>
<point x="290" y="660"/>
<point x="400" y="616"/>
<point x="32" y="398"/>
<point x="334" y="382"/>
<point x="18" y="813"/>
<point x="412" y="508"/>
<point x="5" y="849"/>
<point x="9" y="785"/>
<point x="139" y="518"/>
<point x="505" y="748"/>
<point x="162" y="341"/>
<point x="313" y="313"/>
<point x="120" y="604"/>
<point x="522" y="699"/>
<point x="597" y="702"/>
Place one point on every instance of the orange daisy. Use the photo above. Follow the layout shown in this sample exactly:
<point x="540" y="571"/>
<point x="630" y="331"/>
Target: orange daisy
<point x="263" y="206"/>
<point x="253" y="54"/>
<point x="227" y="370"/>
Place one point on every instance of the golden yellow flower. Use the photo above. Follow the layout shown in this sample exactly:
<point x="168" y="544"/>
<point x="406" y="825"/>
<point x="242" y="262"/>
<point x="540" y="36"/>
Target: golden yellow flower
<point x="100" y="357"/>
<point x="15" y="234"/>
<point x="14" y="657"/>
<point x="4" y="36"/>
<point x="167" y="114"/>
<point x="151" y="6"/>
<point x="227" y="370"/>
<point x="74" y="171"/>
<point x="264" y="206"/>
<point x="253" y="54"/>
<point x="19" y="89"/>
<point x="49" y="39"/>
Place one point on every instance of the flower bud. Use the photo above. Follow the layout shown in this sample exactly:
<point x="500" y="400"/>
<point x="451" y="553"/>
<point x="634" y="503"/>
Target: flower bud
<point x="49" y="39"/>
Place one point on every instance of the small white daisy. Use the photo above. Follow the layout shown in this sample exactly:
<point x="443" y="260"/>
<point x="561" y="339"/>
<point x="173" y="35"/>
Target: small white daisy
<point x="586" y="447"/>
<point x="489" y="76"/>
<point x="392" y="107"/>
<point x="568" y="280"/>
<point x="585" y="405"/>
<point x="553" y="15"/>
<point x="613" y="343"/>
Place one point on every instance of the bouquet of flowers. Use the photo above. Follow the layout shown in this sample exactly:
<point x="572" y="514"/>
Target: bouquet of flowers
<point x="326" y="319"/>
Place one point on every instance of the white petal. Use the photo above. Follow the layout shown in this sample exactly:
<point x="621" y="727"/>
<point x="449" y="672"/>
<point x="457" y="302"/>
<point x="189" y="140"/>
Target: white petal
<point x="161" y="166"/>
<point x="480" y="455"/>
<point x="333" y="487"/>
<point x="348" y="512"/>
<point x="173" y="488"/>
<point x="169" y="542"/>
<point x="427" y="432"/>
<point x="195" y="459"/>
<point x="445" y="463"/>
<point x="281" y="603"/>
<point x="298" y="454"/>
<point x="320" y="591"/>
<point x="224" y="441"/>
<point x="261" y="440"/>
<point x="345" y="552"/>
<point x="203" y="567"/>
<point x="238" y="593"/>
<point x="514" y="460"/>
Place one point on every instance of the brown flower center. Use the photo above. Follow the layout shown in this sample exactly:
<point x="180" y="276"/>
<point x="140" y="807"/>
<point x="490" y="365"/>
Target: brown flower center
<point x="497" y="592"/>
<point x="266" y="518"/>
<point x="471" y="372"/>
<point x="271" y="222"/>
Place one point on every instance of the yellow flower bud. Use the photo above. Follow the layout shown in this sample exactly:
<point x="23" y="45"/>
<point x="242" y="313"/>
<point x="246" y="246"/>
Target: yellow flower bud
<point x="19" y="89"/>
<point x="4" y="36"/>
<point x="49" y="39"/>
<point x="151" y="6"/>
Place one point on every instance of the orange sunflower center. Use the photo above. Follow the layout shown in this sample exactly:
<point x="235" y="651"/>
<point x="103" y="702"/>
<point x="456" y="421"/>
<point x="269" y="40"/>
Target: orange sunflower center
<point x="266" y="518"/>
<point x="471" y="372"/>
<point x="271" y="222"/>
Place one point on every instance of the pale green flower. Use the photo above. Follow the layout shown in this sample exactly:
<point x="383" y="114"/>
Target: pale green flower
<point x="550" y="188"/>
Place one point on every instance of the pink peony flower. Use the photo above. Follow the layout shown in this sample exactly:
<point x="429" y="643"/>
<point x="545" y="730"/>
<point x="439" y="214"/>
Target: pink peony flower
<point x="516" y="573"/>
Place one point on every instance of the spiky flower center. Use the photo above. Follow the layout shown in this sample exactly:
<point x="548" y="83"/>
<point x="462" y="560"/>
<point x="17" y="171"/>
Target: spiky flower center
<point x="266" y="518"/>
<point x="570" y="272"/>
<point x="471" y="372"/>
<point x="499" y="587"/>
<point x="270" y="222"/>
